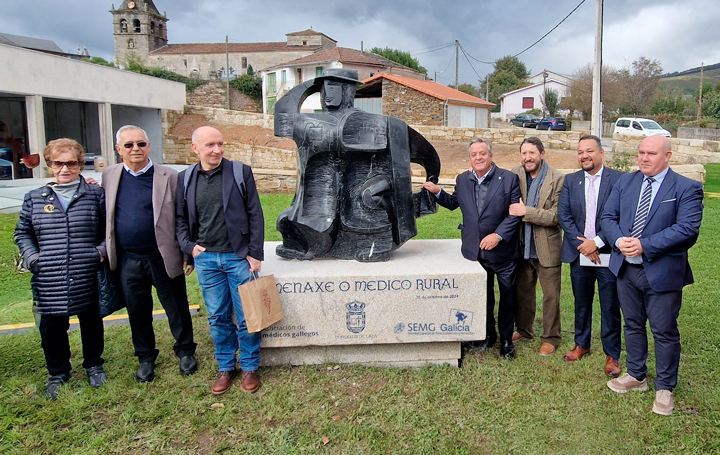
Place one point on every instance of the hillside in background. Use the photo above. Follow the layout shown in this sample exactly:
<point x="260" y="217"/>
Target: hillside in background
<point x="689" y="80"/>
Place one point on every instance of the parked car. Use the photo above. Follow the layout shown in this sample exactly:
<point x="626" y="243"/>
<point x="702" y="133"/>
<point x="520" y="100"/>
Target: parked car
<point x="525" y="120"/>
<point x="634" y="126"/>
<point x="552" y="123"/>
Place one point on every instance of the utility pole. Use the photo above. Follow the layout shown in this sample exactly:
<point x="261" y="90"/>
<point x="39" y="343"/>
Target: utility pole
<point x="457" y="63"/>
<point x="596" y="119"/>
<point x="227" y="72"/>
<point x="702" y="67"/>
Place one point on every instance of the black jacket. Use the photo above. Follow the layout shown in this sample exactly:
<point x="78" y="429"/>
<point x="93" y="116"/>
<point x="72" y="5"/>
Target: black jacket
<point x="243" y="215"/>
<point x="61" y="248"/>
<point x="503" y="190"/>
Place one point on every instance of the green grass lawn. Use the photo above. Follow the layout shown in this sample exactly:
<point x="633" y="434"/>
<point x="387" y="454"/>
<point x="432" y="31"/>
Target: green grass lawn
<point x="531" y="405"/>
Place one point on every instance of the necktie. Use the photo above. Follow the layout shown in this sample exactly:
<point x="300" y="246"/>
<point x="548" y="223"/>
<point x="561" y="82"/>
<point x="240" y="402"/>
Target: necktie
<point x="590" y="208"/>
<point x="642" y="210"/>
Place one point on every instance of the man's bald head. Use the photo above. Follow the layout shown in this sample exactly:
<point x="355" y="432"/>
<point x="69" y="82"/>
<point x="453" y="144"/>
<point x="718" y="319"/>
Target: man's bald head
<point x="654" y="155"/>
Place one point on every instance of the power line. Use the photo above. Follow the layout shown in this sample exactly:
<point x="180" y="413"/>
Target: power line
<point x="445" y="46"/>
<point x="431" y="47"/>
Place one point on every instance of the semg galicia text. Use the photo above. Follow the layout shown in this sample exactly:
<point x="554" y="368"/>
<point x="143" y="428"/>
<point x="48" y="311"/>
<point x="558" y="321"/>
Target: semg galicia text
<point x="324" y="287"/>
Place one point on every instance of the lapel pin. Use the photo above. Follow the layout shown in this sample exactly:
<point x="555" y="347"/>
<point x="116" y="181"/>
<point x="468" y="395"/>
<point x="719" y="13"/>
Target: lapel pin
<point x="49" y="208"/>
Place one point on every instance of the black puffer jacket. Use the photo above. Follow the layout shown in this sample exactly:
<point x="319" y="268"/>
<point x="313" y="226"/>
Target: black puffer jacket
<point x="61" y="248"/>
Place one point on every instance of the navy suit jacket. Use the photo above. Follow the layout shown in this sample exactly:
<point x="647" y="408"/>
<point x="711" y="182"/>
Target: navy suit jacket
<point x="572" y="206"/>
<point x="672" y="227"/>
<point x="243" y="216"/>
<point x="503" y="190"/>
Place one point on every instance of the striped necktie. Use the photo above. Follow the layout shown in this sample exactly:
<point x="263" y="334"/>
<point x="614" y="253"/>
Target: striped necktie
<point x="642" y="210"/>
<point x="590" y="208"/>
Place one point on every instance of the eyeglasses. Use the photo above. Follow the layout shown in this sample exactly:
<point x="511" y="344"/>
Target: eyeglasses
<point x="60" y="164"/>
<point x="129" y="145"/>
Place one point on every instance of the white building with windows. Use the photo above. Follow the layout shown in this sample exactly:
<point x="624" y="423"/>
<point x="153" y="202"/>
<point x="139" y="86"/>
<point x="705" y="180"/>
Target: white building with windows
<point x="530" y="97"/>
<point x="279" y="79"/>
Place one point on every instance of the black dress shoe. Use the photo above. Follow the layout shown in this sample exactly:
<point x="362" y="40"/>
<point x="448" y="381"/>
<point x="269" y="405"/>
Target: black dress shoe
<point x="145" y="372"/>
<point x="188" y="365"/>
<point x="507" y="349"/>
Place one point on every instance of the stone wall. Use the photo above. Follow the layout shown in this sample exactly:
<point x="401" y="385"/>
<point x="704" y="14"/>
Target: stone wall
<point x="410" y="106"/>
<point x="214" y="94"/>
<point x="709" y="134"/>
<point x="561" y="140"/>
<point x="685" y="151"/>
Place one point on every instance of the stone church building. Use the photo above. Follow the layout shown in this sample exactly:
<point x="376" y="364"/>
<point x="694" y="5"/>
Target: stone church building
<point x="140" y="29"/>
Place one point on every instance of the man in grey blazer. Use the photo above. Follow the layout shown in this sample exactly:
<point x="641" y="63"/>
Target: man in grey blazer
<point x="582" y="201"/>
<point x="541" y="241"/>
<point x="141" y="244"/>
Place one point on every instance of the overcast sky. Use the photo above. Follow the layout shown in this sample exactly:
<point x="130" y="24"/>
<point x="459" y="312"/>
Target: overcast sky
<point x="680" y="35"/>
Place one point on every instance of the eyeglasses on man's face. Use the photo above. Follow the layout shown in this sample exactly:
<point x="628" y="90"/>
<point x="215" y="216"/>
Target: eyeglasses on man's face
<point x="129" y="145"/>
<point x="60" y="164"/>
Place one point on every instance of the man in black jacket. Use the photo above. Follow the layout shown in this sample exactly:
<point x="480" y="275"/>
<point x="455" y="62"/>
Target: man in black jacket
<point x="220" y="225"/>
<point x="489" y="233"/>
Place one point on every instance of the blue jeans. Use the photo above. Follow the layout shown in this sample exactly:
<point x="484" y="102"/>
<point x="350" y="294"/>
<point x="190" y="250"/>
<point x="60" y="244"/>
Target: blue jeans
<point x="219" y="275"/>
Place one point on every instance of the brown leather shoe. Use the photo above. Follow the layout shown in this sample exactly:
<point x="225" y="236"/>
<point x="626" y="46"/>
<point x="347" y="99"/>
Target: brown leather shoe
<point x="250" y="381"/>
<point x="223" y="382"/>
<point x="517" y="337"/>
<point x="612" y="368"/>
<point x="546" y="349"/>
<point x="577" y="353"/>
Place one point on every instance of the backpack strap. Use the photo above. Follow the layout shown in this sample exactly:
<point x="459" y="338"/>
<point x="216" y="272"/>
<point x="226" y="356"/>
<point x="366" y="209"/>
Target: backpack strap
<point x="238" y="168"/>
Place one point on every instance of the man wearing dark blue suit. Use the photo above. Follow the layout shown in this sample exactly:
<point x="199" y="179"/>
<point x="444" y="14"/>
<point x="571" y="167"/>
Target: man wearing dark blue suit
<point x="582" y="201"/>
<point x="652" y="218"/>
<point x="489" y="233"/>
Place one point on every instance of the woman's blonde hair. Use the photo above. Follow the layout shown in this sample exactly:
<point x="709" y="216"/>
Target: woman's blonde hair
<point x="65" y="144"/>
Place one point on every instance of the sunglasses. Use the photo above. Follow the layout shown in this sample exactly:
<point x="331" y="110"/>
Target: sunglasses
<point x="61" y="164"/>
<point x="129" y="145"/>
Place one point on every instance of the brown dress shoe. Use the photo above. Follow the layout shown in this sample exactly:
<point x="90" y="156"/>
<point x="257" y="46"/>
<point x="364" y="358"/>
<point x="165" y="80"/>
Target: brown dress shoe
<point x="546" y="349"/>
<point x="250" y="381"/>
<point x="223" y="382"/>
<point x="576" y="354"/>
<point x="612" y="368"/>
<point x="517" y="337"/>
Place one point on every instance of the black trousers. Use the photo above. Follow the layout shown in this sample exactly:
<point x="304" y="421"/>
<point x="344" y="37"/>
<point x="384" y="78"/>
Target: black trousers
<point x="583" y="280"/>
<point x="506" y="277"/>
<point x="136" y="279"/>
<point x="640" y="304"/>
<point x="56" y="346"/>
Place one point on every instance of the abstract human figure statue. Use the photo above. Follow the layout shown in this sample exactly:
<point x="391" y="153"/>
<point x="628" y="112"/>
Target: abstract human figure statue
<point x="354" y="199"/>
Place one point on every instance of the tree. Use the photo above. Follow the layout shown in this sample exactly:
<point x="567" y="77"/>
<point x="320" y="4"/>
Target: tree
<point x="509" y="74"/>
<point x="639" y="85"/>
<point x="99" y="61"/>
<point x="469" y="89"/>
<point x="550" y="101"/>
<point x="580" y="91"/>
<point x="249" y="85"/>
<point x="398" y="56"/>
<point x="250" y="71"/>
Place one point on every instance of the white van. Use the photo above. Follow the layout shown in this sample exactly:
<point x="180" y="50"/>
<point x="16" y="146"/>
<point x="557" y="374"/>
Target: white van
<point x="639" y="127"/>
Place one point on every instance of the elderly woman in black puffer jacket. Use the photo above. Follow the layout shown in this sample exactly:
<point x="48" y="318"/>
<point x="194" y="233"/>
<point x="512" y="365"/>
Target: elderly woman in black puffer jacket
<point x="61" y="236"/>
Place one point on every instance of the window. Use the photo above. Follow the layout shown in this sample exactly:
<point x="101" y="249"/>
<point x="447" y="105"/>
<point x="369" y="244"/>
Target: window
<point x="637" y="126"/>
<point x="185" y="62"/>
<point x="136" y="26"/>
<point x="271" y="83"/>
<point x="318" y="71"/>
<point x="271" y="104"/>
<point x="528" y="102"/>
<point x="304" y="43"/>
<point x="299" y="76"/>
<point x="283" y="78"/>
<point x="244" y="63"/>
<point x="152" y="27"/>
<point x="123" y="26"/>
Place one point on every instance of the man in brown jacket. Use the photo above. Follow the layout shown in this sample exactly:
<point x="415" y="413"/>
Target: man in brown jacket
<point x="541" y="245"/>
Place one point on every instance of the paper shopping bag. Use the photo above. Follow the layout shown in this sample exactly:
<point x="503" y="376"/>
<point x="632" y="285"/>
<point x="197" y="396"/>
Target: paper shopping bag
<point x="261" y="302"/>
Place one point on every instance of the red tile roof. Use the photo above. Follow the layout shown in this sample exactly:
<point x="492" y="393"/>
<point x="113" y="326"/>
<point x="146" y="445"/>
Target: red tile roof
<point x="307" y="32"/>
<point x="433" y="89"/>
<point x="344" y="55"/>
<point x="219" y="48"/>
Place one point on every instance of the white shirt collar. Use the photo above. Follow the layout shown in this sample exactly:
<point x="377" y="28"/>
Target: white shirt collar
<point x="141" y="171"/>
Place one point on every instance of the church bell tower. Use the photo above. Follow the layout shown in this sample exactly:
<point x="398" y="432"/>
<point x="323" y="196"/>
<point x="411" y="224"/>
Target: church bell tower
<point x="139" y="29"/>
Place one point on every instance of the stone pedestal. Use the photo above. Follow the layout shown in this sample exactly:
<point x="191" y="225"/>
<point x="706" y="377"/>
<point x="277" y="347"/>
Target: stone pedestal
<point x="414" y="309"/>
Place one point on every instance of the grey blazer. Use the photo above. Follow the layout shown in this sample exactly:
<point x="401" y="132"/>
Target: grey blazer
<point x="163" y="199"/>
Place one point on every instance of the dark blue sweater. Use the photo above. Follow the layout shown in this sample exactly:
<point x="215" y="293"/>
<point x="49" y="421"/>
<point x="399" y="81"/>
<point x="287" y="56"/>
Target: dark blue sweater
<point x="134" y="221"/>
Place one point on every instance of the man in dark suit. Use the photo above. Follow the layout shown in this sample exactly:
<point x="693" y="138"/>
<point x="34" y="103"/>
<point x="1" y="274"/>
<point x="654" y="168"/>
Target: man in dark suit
<point x="220" y="224"/>
<point x="582" y="200"/>
<point x="141" y="243"/>
<point x="489" y="233"/>
<point x="652" y="218"/>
